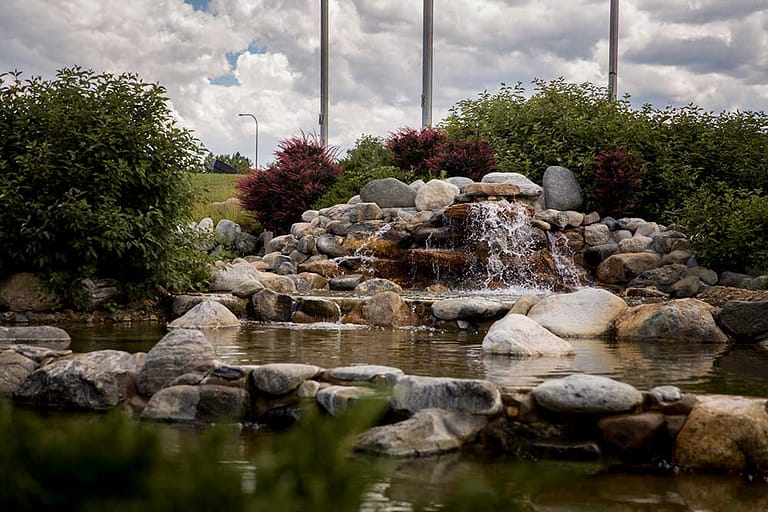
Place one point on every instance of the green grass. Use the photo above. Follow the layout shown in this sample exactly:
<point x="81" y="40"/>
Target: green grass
<point x="211" y="194"/>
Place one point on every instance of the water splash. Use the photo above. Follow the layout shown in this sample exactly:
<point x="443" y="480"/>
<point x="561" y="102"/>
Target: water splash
<point x="570" y="274"/>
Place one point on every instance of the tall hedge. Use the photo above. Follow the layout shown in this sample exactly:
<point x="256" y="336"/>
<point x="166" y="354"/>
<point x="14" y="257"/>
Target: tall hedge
<point x="93" y="180"/>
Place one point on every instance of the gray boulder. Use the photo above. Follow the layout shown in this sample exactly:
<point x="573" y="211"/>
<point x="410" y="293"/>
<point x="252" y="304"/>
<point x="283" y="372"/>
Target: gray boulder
<point x="662" y="278"/>
<point x="459" y="181"/>
<point x="183" y="303"/>
<point x="519" y="336"/>
<point x="337" y="399"/>
<point x="587" y="313"/>
<point x="378" y="285"/>
<point x="206" y="315"/>
<point x="91" y="294"/>
<point x="346" y="282"/>
<point x="436" y="194"/>
<point x="171" y="357"/>
<point x="95" y="381"/>
<point x="205" y="403"/>
<point x="745" y="321"/>
<point x="468" y="308"/>
<point x="282" y="378"/>
<point x="413" y="393"/>
<point x="427" y="432"/>
<point x="269" y="306"/>
<point x="561" y="190"/>
<point x="14" y="368"/>
<point x="365" y="373"/>
<point x="597" y="234"/>
<point x="41" y="335"/>
<point x="227" y="231"/>
<point x="527" y="187"/>
<point x="229" y="278"/>
<point x="586" y="394"/>
<point x="331" y="246"/>
<point x="388" y="193"/>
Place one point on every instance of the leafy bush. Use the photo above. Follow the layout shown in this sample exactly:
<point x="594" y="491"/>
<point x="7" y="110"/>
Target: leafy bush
<point x="728" y="228"/>
<point x="412" y="148"/>
<point x="369" y="153"/>
<point x="302" y="171"/>
<point x="93" y="180"/>
<point x="472" y="158"/>
<point x="238" y="162"/>
<point x="618" y="182"/>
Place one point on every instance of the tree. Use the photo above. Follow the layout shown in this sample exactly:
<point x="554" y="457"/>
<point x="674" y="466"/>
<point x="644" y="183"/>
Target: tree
<point x="238" y="162"/>
<point x="94" y="181"/>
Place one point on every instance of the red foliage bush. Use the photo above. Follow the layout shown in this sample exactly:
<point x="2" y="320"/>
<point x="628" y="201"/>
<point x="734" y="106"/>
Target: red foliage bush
<point x="618" y="182"/>
<point x="412" y="148"/>
<point x="471" y="158"/>
<point x="278" y="194"/>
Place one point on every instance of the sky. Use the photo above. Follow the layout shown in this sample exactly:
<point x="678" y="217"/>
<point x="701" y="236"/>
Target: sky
<point x="219" y="58"/>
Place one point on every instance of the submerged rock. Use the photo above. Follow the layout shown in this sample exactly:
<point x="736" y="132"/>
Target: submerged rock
<point x="427" y="432"/>
<point x="368" y="373"/>
<point x="337" y="399"/>
<point x="204" y="403"/>
<point x="586" y="394"/>
<point x="520" y="336"/>
<point x="413" y="393"/>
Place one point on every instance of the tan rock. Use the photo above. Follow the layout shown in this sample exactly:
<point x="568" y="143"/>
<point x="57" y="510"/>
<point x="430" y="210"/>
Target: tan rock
<point x="622" y="268"/>
<point x="387" y="309"/>
<point x="676" y="320"/>
<point x="491" y="189"/>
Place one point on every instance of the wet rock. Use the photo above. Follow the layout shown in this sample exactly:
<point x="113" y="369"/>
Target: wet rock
<point x="414" y="393"/>
<point x="269" y="306"/>
<point x="563" y="450"/>
<point x="205" y="403"/>
<point x="25" y="292"/>
<point x="183" y="303"/>
<point x="314" y="281"/>
<point x="345" y="283"/>
<point x="490" y="189"/>
<point x="587" y="313"/>
<point x="728" y="433"/>
<point x="229" y="278"/>
<point x="388" y="193"/>
<point x="519" y="336"/>
<point x="468" y="308"/>
<point x="282" y="378"/>
<point x="171" y="357"/>
<point x="677" y="320"/>
<point x="378" y="285"/>
<point x="744" y="321"/>
<point x="593" y="256"/>
<point x="337" y="399"/>
<point x="206" y="315"/>
<point x="318" y="310"/>
<point x="633" y="435"/>
<point x="247" y="288"/>
<point x="387" y="309"/>
<point x="586" y="394"/>
<point x="622" y="268"/>
<point x="95" y="381"/>
<point x="14" y="368"/>
<point x="365" y="373"/>
<point x="435" y="194"/>
<point x="331" y="246"/>
<point x="41" y="335"/>
<point x="427" y="432"/>
<point x="561" y="190"/>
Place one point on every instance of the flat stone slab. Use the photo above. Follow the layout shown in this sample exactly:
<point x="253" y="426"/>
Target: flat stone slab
<point x="366" y="373"/>
<point x="337" y="399"/>
<point x="282" y="378"/>
<point x="44" y="335"/>
<point x="427" y="432"/>
<point x="587" y="394"/>
<point x="414" y="393"/>
<point x="491" y="189"/>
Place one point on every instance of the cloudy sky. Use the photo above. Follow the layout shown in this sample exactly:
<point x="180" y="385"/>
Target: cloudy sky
<point x="218" y="58"/>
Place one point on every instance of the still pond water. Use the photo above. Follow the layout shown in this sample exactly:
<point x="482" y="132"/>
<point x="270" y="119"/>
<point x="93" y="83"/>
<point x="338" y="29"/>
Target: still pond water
<point x="550" y="486"/>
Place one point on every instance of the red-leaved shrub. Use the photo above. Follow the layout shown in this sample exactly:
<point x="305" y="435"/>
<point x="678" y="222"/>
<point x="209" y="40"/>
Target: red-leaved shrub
<point x="411" y="148"/>
<point x="618" y="182"/>
<point x="472" y="158"/>
<point x="278" y="194"/>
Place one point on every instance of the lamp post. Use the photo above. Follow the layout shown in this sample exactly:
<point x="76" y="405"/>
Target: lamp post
<point x="426" y="66"/>
<point x="256" y="155"/>
<point x="613" y="51"/>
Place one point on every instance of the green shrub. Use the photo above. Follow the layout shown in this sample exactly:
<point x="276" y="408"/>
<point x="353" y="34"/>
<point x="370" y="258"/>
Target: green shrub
<point x="349" y="184"/>
<point x="369" y="153"/>
<point x="93" y="180"/>
<point x="302" y="171"/>
<point x="728" y="228"/>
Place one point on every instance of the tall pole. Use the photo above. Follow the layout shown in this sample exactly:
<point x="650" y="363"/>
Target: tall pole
<point x="324" y="103"/>
<point x="426" y="66"/>
<point x="613" y="51"/>
<point x="256" y="154"/>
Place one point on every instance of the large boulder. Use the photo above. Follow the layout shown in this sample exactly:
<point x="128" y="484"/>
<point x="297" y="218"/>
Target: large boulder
<point x="728" y="433"/>
<point x="587" y="313"/>
<point x="230" y="277"/>
<point x="388" y="193"/>
<point x="41" y="335"/>
<point x="206" y="403"/>
<point x="427" y="432"/>
<point x="745" y="321"/>
<point x="622" y="268"/>
<point x="25" y="292"/>
<point x="183" y="303"/>
<point x="561" y="190"/>
<point x="414" y="393"/>
<point x="527" y="187"/>
<point x="14" y="368"/>
<point x="90" y="294"/>
<point x="676" y="320"/>
<point x="335" y="400"/>
<point x="387" y="309"/>
<point x="95" y="381"/>
<point x="519" y="336"/>
<point x="364" y="374"/>
<point x="586" y="394"/>
<point x="171" y="357"/>
<point x="436" y="194"/>
<point x="468" y="308"/>
<point x="270" y="306"/>
<point x="206" y="315"/>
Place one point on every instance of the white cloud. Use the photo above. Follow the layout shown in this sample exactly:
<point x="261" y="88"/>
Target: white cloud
<point x="711" y="52"/>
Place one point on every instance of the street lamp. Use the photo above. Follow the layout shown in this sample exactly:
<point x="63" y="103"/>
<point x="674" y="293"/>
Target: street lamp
<point x="256" y="155"/>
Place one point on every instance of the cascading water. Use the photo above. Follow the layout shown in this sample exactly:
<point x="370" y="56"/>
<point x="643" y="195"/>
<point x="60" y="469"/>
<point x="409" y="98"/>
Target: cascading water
<point x="570" y="274"/>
